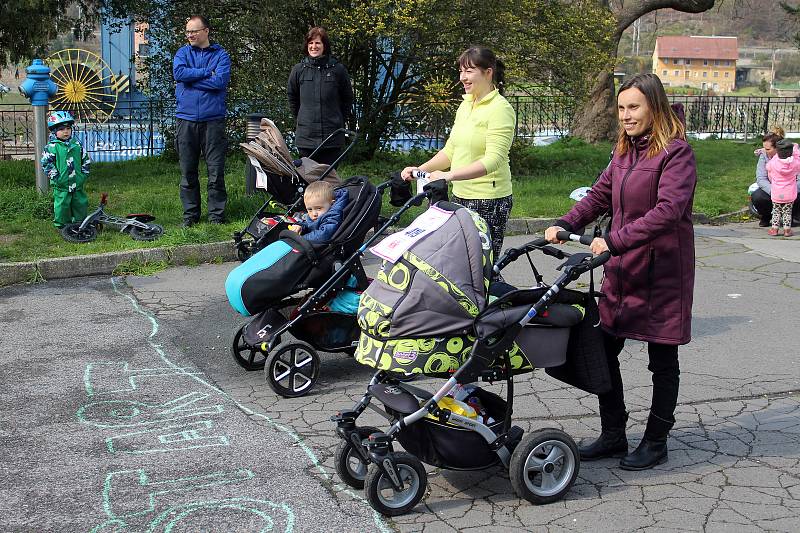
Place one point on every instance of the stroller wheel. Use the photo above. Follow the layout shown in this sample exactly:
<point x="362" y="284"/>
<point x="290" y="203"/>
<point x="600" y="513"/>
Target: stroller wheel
<point x="246" y="356"/>
<point x="292" y="370"/>
<point x="73" y="233"/>
<point x="383" y="497"/>
<point x="243" y="251"/>
<point x="350" y="466"/>
<point x="544" y="466"/>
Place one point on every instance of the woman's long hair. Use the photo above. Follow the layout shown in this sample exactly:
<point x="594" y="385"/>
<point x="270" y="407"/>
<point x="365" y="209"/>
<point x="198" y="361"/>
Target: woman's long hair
<point x="666" y="125"/>
<point x="483" y="58"/>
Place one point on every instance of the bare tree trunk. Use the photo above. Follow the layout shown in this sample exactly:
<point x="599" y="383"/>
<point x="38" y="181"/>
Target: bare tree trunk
<point x="596" y="119"/>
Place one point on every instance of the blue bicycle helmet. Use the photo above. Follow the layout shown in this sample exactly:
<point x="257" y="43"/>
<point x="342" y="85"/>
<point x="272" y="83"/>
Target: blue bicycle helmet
<point x="57" y="118"/>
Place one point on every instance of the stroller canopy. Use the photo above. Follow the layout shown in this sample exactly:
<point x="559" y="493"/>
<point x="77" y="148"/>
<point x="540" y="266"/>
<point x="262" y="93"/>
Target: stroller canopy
<point x="270" y="151"/>
<point x="417" y="315"/>
<point x="438" y="285"/>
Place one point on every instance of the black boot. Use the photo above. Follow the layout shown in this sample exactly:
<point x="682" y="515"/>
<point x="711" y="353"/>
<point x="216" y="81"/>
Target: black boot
<point x="610" y="443"/>
<point x="652" y="450"/>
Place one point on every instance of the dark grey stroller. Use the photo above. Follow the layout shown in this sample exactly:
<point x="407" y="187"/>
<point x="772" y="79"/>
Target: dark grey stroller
<point x="288" y="285"/>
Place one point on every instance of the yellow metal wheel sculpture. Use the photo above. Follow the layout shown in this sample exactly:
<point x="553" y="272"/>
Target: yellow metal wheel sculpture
<point x="87" y="87"/>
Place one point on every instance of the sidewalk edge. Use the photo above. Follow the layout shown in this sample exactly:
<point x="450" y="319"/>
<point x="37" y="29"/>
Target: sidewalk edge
<point x="193" y="254"/>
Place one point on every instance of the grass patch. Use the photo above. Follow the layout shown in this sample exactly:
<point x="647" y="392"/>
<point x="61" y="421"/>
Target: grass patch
<point x="35" y="277"/>
<point x="134" y="267"/>
<point x="544" y="177"/>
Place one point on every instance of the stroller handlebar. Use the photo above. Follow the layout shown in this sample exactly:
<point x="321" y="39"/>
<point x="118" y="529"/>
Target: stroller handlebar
<point x="420" y="174"/>
<point x="597" y="260"/>
<point x="512" y="254"/>
<point x="567" y="236"/>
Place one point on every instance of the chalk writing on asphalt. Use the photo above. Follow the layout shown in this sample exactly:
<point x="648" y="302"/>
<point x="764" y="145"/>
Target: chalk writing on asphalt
<point x="141" y="507"/>
<point x="121" y="406"/>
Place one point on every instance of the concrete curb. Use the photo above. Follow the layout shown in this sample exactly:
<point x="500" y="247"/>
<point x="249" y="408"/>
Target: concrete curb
<point x="193" y="254"/>
<point x="521" y="226"/>
<point x="105" y="264"/>
<point x="736" y="216"/>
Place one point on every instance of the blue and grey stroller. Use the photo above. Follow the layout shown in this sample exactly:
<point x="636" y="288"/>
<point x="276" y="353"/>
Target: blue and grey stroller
<point x="309" y="290"/>
<point x="428" y="313"/>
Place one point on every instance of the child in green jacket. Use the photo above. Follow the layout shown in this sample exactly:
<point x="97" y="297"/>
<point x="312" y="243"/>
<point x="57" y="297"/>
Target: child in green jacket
<point x="67" y="167"/>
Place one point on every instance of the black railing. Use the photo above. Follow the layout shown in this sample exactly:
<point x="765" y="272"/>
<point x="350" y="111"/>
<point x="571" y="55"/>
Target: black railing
<point x="144" y="127"/>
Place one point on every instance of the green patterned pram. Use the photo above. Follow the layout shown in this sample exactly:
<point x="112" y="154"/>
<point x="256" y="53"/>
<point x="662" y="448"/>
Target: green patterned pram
<point x="417" y="316"/>
<point x="428" y="312"/>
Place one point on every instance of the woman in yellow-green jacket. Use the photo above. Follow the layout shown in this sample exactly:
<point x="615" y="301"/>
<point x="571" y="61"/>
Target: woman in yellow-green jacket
<point x="476" y="153"/>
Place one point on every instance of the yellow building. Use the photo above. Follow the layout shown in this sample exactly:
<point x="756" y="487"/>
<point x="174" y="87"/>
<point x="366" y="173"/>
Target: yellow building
<point x="700" y="62"/>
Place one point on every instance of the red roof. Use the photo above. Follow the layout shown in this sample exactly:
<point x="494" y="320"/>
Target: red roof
<point x="678" y="46"/>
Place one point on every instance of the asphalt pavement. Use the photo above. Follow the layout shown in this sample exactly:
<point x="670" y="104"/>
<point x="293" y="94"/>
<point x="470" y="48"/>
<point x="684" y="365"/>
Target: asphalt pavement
<point x="123" y="410"/>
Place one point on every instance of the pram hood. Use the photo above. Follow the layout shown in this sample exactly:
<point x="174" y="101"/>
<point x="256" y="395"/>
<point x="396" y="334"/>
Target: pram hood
<point x="438" y="285"/>
<point x="270" y="150"/>
<point x="417" y="315"/>
<point x="359" y="215"/>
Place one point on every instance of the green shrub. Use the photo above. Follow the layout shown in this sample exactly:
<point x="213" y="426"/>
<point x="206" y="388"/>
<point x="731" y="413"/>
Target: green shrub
<point x="522" y="157"/>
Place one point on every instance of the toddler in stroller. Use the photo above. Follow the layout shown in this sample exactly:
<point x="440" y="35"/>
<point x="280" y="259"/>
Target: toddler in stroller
<point x="425" y="313"/>
<point x="273" y="285"/>
<point x="324" y="212"/>
<point x="285" y="180"/>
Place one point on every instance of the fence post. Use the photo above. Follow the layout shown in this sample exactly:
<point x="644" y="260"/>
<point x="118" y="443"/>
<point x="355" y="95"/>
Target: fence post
<point x="516" y="113"/>
<point x="150" y="127"/>
<point x="722" y="122"/>
<point x="766" y="118"/>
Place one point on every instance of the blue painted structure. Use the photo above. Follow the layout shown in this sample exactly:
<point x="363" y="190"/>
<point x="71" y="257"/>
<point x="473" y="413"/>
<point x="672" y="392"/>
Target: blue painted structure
<point x="38" y="86"/>
<point x="117" y="50"/>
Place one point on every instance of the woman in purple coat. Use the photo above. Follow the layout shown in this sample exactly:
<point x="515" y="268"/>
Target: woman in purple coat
<point x="649" y="281"/>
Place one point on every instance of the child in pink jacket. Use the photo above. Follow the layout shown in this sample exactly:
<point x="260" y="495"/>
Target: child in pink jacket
<point x="782" y="170"/>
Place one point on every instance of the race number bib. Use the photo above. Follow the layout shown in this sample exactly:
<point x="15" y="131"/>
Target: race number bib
<point x="393" y="246"/>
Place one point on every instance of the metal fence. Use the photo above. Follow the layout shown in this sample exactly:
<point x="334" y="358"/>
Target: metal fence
<point x="140" y="128"/>
<point x="134" y="129"/>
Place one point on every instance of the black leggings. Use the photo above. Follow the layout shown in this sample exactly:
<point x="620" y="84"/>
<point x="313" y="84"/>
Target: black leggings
<point x="666" y="379"/>
<point x="495" y="212"/>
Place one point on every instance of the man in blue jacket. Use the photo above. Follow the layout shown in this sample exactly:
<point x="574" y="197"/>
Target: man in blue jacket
<point x="202" y="71"/>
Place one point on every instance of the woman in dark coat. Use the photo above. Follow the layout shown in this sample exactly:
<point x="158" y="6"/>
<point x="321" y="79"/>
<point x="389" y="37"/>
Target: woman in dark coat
<point x="649" y="187"/>
<point x="321" y="98"/>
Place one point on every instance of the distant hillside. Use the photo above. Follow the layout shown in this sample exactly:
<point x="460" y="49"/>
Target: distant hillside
<point x="755" y="22"/>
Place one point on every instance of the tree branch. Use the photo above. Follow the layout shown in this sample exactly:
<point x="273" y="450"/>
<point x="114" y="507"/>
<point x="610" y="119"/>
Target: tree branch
<point x="630" y="11"/>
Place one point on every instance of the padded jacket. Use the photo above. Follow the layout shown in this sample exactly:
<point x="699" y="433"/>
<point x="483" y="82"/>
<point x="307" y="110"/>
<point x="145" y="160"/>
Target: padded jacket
<point x="649" y="280"/>
<point x="65" y="163"/>
<point x="323" y="229"/>
<point x="783" y="177"/>
<point x="321" y="99"/>
<point x="202" y="76"/>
